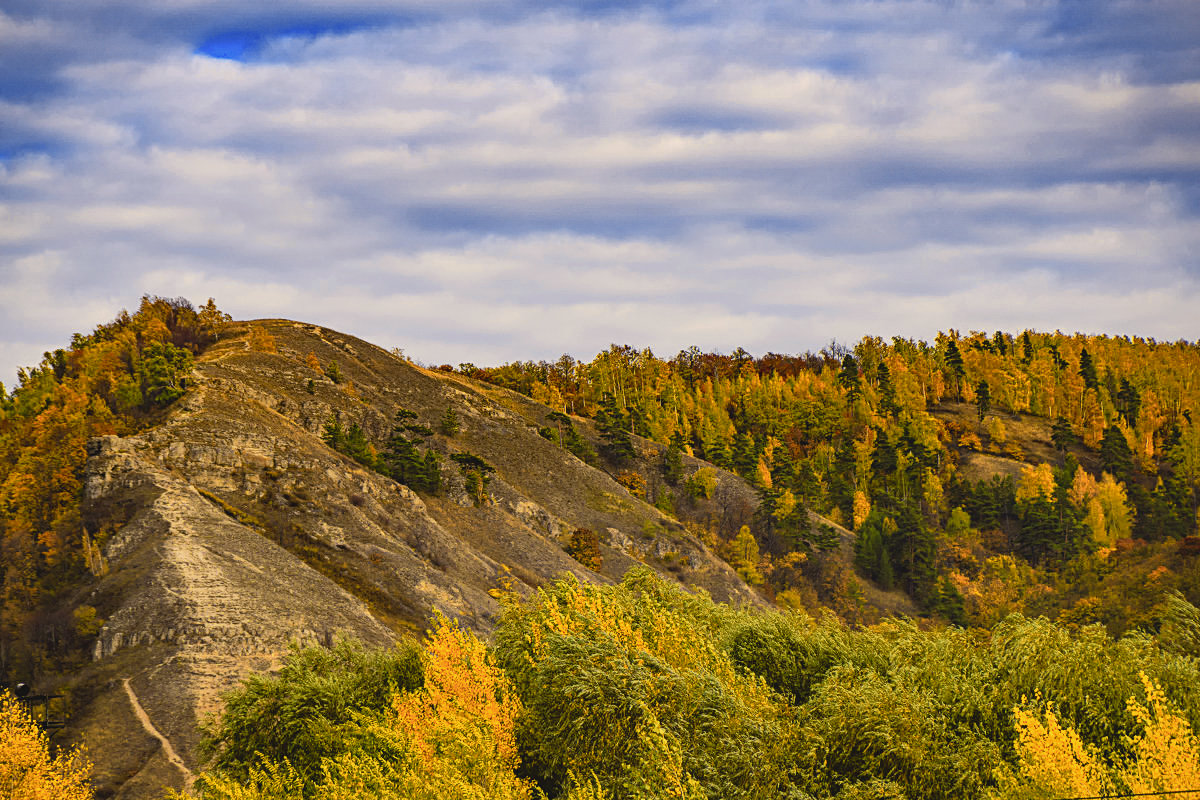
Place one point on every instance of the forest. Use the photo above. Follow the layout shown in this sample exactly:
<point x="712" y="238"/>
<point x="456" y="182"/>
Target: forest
<point x="1034" y="495"/>
<point x="1091" y="517"/>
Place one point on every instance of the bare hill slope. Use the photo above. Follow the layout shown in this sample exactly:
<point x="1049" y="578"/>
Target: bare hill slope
<point x="232" y="529"/>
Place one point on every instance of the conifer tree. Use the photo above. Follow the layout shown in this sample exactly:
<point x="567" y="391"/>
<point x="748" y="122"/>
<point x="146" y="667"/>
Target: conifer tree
<point x="333" y="435"/>
<point x="983" y="398"/>
<point x="1087" y="370"/>
<point x="887" y="392"/>
<point x="1115" y="453"/>
<point x="672" y="463"/>
<point x="614" y="429"/>
<point x="1063" y="435"/>
<point x="357" y="447"/>
<point x="449" y="424"/>
<point x="848" y="377"/>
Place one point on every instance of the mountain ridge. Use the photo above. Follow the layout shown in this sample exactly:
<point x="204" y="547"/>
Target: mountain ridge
<point x="231" y="529"/>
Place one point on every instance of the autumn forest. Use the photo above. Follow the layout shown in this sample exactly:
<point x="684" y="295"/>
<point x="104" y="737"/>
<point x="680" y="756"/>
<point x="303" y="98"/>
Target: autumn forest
<point x="978" y="561"/>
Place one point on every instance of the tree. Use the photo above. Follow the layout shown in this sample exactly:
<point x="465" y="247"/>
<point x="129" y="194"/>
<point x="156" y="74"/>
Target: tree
<point x="744" y="549"/>
<point x="871" y="551"/>
<point x="584" y="547"/>
<point x="613" y="424"/>
<point x="672" y="461"/>
<point x="954" y="362"/>
<point x="887" y="392"/>
<point x="449" y="424"/>
<point x="983" y="398"/>
<point x="1128" y="402"/>
<point x="261" y="340"/>
<point x="1063" y="435"/>
<point x="883" y="459"/>
<point x="333" y="435"/>
<point x="912" y="552"/>
<point x="1115" y="453"/>
<point x="357" y="447"/>
<point x="27" y="771"/>
<point x="1087" y="370"/>
<point x="848" y="377"/>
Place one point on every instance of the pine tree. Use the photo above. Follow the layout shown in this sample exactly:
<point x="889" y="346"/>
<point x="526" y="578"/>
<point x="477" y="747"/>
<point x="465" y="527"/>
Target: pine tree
<point x="1000" y="343"/>
<point x="887" y="392"/>
<point x="954" y="363"/>
<point x="1087" y="370"/>
<point x="1063" y="435"/>
<point x="1128" y="402"/>
<point x="983" y="398"/>
<point x="333" y="435"/>
<point x="848" y="377"/>
<point x="883" y="459"/>
<point x="1115" y="454"/>
<point x="449" y="425"/>
<point x="614" y="430"/>
<point x="672" y="462"/>
<point x="357" y="447"/>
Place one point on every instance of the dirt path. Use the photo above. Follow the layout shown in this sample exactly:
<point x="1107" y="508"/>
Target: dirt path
<point x="188" y="776"/>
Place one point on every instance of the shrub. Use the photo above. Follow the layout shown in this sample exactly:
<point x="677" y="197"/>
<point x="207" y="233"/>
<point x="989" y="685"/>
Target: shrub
<point x="312" y="706"/>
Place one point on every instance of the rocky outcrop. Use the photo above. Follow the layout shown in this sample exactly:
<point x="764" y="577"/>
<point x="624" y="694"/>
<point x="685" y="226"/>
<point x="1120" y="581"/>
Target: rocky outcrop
<point x="231" y="531"/>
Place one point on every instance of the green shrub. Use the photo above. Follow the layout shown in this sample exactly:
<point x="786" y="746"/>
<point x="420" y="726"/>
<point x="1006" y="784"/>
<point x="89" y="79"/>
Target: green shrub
<point x="310" y="709"/>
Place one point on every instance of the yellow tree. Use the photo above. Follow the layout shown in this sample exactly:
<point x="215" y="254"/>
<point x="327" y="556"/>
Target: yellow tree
<point x="1118" y="516"/>
<point x="1035" y="482"/>
<point x="744" y="549"/>
<point x="27" y="772"/>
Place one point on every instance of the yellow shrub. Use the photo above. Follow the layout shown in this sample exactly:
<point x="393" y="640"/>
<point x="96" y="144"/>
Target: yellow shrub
<point x="1166" y="757"/>
<point x="26" y="770"/>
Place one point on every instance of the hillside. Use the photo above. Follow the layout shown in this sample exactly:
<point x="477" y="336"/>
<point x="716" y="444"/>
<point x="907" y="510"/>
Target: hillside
<point x="187" y="498"/>
<point x="231" y="529"/>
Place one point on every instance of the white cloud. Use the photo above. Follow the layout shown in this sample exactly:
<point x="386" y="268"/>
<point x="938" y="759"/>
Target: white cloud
<point x="485" y="183"/>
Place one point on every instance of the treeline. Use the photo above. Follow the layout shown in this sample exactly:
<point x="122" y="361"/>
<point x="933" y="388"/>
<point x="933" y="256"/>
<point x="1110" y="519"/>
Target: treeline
<point x="853" y="434"/>
<point x="642" y="690"/>
<point x="115" y="380"/>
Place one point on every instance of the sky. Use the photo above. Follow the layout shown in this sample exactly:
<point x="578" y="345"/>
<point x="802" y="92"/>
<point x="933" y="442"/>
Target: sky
<point x="491" y="181"/>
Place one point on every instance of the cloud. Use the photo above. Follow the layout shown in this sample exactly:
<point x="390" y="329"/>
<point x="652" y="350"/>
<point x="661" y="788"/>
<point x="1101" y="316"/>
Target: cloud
<point x="491" y="181"/>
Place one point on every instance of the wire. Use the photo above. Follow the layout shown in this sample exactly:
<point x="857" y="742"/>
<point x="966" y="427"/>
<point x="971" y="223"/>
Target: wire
<point x="1134" y="794"/>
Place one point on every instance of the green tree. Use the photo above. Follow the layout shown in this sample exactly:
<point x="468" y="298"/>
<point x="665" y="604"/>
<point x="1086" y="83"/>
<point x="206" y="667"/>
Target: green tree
<point x="333" y="434"/>
<point x="614" y="430"/>
<point x="1087" y="370"/>
<point x="311" y="709"/>
<point x="449" y="424"/>
<point x="672" y="461"/>
<point x="954" y="363"/>
<point x="871" y="551"/>
<point x="983" y="398"/>
<point x="848" y="377"/>
<point x="1063" y="435"/>
<point x="1115" y="454"/>
<point x="357" y="447"/>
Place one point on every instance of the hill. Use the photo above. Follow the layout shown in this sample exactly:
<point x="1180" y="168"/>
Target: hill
<point x="186" y="498"/>
<point x="230" y="528"/>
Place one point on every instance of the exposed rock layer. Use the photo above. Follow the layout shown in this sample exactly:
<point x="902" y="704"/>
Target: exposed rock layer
<point x="231" y="530"/>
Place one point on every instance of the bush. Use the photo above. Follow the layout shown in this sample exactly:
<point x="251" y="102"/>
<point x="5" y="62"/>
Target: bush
<point x="310" y="709"/>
